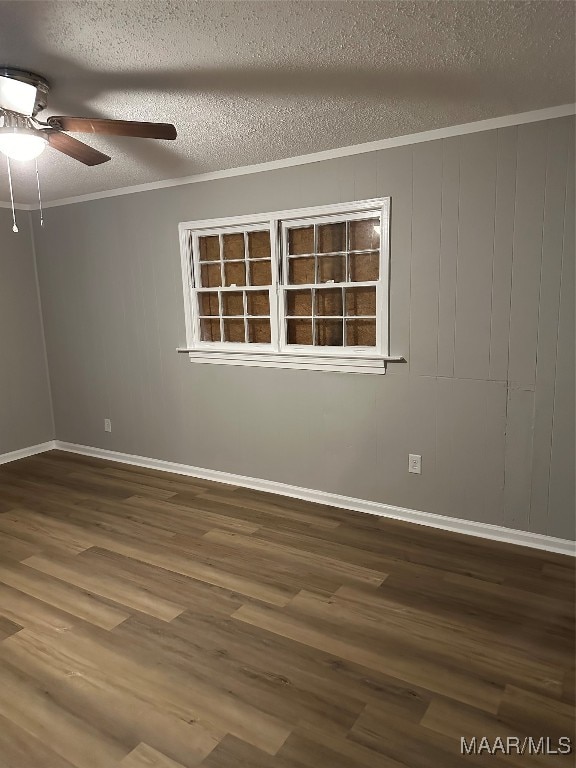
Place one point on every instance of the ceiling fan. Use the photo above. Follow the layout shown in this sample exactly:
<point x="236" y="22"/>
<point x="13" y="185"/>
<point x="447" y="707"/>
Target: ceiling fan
<point x="24" y="137"/>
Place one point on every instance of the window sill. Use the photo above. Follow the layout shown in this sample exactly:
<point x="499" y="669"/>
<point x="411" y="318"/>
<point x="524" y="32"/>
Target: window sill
<point x="308" y="362"/>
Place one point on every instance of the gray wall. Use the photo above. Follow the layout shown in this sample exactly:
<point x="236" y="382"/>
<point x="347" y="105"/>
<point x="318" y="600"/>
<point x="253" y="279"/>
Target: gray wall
<point x="25" y="409"/>
<point x="482" y="307"/>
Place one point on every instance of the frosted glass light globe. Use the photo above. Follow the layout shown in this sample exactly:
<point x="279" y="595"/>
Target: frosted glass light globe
<point x="18" y="145"/>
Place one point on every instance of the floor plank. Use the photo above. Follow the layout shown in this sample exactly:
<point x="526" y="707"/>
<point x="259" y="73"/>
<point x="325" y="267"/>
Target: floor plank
<point x="145" y="756"/>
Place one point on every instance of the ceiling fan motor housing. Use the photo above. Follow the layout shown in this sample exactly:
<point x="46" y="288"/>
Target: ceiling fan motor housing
<point x="31" y="99"/>
<point x="14" y="121"/>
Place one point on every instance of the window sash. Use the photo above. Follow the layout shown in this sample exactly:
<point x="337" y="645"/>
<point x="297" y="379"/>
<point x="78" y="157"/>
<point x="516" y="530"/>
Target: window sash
<point x="196" y="288"/>
<point x="379" y="212"/>
<point x="319" y="349"/>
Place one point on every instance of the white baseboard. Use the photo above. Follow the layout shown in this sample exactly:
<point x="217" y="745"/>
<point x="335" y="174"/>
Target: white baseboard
<point x="455" y="525"/>
<point x="24" y="452"/>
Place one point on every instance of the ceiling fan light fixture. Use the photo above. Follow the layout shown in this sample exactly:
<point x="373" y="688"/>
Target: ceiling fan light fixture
<point x="21" y="143"/>
<point x="23" y="137"/>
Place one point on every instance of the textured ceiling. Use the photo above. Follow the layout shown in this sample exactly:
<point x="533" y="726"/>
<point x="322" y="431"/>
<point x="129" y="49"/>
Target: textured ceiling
<point x="248" y="82"/>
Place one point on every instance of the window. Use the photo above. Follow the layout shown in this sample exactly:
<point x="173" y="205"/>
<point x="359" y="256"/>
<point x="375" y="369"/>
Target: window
<point x="300" y="289"/>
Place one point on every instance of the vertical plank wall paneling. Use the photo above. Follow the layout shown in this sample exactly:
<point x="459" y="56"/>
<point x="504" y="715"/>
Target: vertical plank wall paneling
<point x="549" y="307"/>
<point x="533" y="175"/>
<point x="425" y="264"/>
<point x="449" y="224"/>
<point x="481" y="306"/>
<point x="527" y="252"/>
<point x="25" y="409"/>
<point x="561" y="485"/>
<point x="475" y="255"/>
<point x="503" y="247"/>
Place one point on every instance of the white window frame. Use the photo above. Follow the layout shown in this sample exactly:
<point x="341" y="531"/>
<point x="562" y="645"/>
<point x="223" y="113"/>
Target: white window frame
<point x="278" y="353"/>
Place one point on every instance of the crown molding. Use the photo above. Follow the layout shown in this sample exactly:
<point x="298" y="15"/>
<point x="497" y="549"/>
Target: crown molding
<point x="19" y="206"/>
<point x="505" y="121"/>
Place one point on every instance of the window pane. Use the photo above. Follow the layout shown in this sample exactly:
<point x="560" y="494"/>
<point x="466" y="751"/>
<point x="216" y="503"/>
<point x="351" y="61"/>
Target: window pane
<point x="260" y="273"/>
<point x="209" y="248"/>
<point x="232" y="303"/>
<point x="235" y="273"/>
<point x="364" y="267"/>
<point x="299" y="302"/>
<point x="258" y="303"/>
<point x="234" y="330"/>
<point x="234" y="246"/>
<point x="299" y="331"/>
<point x="301" y="240"/>
<point x="210" y="330"/>
<point x="208" y="303"/>
<point x="210" y="276"/>
<point x="259" y="245"/>
<point x="329" y="301"/>
<point x="365" y="235"/>
<point x="361" y="333"/>
<point x="332" y="237"/>
<point x="361" y="301"/>
<point x="259" y="331"/>
<point x="301" y="271"/>
<point x="329" y="333"/>
<point x="331" y="268"/>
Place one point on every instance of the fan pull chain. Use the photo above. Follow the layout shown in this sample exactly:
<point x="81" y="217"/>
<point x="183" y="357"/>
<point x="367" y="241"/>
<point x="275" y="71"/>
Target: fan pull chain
<point x="14" y="225"/>
<point x="39" y="195"/>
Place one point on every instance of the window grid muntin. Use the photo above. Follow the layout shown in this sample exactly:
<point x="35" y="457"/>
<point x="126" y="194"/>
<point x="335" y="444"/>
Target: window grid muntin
<point x="245" y="305"/>
<point x="246" y="316"/>
<point x="221" y="315"/>
<point x="222" y="271"/>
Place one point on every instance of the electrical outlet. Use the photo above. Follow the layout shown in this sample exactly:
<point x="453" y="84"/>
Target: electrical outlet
<point x="107" y="425"/>
<point x="414" y="463"/>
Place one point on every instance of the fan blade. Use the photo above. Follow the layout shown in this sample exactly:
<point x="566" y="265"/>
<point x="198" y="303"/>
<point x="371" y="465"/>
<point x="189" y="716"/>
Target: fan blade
<point x="76" y="149"/>
<point x="113" y="127"/>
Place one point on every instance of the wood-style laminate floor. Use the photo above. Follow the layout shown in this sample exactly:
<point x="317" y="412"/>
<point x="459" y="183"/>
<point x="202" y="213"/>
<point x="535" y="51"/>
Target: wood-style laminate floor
<point x="149" y="620"/>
